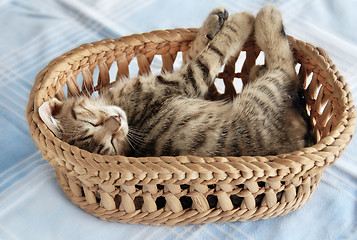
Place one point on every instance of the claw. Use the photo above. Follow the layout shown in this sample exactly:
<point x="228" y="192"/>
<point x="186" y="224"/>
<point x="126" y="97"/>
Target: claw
<point x="222" y="16"/>
<point x="215" y="22"/>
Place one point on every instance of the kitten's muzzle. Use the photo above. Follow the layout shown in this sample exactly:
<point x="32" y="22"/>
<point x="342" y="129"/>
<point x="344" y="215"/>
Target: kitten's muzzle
<point x="117" y="119"/>
<point x="113" y="123"/>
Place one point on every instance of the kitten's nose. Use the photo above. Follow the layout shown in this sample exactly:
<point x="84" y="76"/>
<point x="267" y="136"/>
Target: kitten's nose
<point x="117" y="118"/>
<point x="113" y="123"/>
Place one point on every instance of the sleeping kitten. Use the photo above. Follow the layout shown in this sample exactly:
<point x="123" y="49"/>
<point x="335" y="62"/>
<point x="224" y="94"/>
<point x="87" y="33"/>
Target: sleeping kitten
<point x="167" y="114"/>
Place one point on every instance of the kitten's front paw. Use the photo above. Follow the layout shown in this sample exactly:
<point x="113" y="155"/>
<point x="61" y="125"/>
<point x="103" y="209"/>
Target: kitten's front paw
<point x="242" y="23"/>
<point x="214" y="22"/>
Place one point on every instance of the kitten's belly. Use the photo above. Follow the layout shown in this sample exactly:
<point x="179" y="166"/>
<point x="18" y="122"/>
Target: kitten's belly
<point x="207" y="128"/>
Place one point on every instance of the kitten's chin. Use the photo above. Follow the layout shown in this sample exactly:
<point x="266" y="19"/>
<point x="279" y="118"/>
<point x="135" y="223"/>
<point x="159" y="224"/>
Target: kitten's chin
<point x="120" y="144"/>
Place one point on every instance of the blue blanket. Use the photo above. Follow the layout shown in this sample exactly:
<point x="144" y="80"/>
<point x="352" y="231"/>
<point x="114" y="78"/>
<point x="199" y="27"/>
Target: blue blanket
<point x="32" y="32"/>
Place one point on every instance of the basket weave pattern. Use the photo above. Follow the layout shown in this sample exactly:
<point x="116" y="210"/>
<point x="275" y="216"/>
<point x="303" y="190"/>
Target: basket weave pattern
<point x="189" y="189"/>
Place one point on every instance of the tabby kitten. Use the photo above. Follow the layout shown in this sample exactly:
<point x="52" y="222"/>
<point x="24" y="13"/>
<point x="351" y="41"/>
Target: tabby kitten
<point x="168" y="115"/>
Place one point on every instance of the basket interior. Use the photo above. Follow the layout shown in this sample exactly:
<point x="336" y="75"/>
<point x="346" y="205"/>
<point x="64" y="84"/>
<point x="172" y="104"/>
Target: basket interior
<point x="92" y="74"/>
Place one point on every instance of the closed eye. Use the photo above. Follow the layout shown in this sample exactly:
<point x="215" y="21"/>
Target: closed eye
<point x="80" y="139"/>
<point x="94" y="124"/>
<point x="85" y="138"/>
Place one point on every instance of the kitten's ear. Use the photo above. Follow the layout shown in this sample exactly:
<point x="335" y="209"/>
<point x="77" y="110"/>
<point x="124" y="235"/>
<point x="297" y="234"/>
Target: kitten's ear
<point x="47" y="111"/>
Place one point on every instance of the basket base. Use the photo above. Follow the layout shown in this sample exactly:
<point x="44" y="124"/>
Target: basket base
<point x="94" y="204"/>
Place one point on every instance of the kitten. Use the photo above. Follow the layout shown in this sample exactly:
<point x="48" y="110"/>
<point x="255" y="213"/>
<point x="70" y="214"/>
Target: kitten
<point x="168" y="115"/>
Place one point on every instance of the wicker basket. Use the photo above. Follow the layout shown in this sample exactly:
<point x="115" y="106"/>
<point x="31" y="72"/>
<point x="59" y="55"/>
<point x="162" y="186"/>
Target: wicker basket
<point x="189" y="189"/>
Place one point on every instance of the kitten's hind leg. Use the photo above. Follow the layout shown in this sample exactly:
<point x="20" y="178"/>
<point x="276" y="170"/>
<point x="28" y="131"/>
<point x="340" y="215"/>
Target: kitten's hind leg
<point x="280" y="76"/>
<point x="271" y="38"/>
<point x="211" y="26"/>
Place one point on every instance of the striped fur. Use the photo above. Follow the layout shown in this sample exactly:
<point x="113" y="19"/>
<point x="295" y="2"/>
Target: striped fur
<point x="167" y="114"/>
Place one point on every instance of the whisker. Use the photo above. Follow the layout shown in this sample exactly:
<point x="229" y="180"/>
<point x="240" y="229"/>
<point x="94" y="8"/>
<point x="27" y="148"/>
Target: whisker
<point x="136" y="132"/>
<point x="137" y="138"/>
<point x="136" y="141"/>
<point x="133" y="147"/>
<point x="142" y="136"/>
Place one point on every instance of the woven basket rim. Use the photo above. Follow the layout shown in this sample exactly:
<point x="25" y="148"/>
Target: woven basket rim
<point x="187" y="169"/>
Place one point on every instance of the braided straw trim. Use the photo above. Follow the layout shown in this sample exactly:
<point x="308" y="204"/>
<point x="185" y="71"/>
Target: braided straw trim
<point x="92" y="181"/>
<point x="124" y="211"/>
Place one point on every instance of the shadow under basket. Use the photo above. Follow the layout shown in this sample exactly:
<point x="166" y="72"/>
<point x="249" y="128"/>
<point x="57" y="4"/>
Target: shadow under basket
<point x="189" y="189"/>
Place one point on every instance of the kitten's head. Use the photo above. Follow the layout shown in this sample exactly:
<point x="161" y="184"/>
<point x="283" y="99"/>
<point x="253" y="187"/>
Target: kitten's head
<point x="90" y="124"/>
